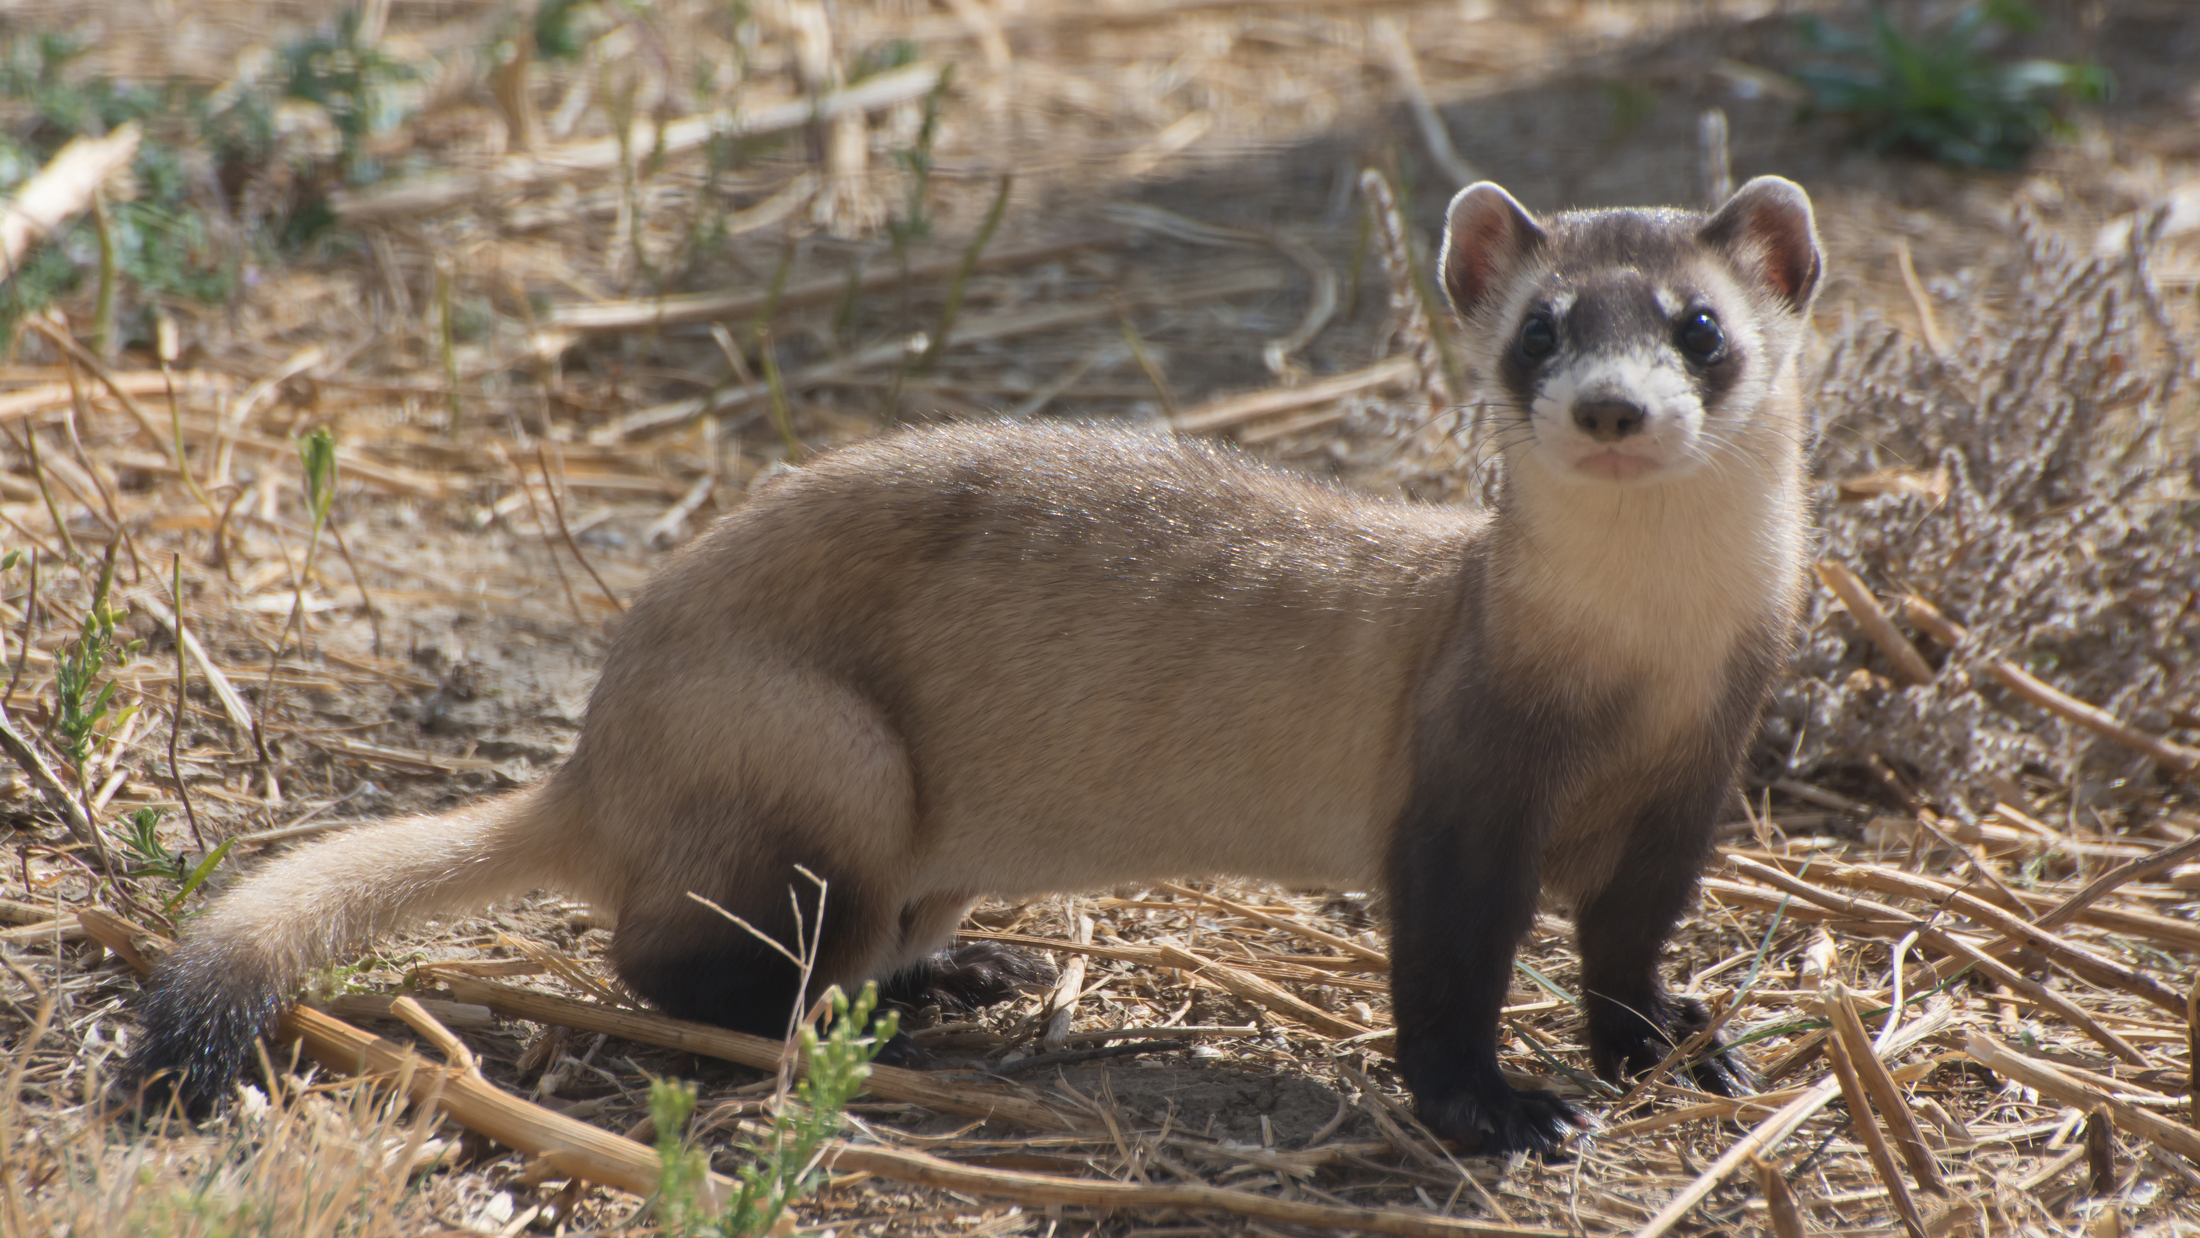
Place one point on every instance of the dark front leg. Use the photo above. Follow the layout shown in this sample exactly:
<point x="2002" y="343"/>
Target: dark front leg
<point x="1633" y="1021"/>
<point x="1463" y="887"/>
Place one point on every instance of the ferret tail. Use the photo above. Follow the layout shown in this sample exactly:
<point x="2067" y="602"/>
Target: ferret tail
<point x="243" y="960"/>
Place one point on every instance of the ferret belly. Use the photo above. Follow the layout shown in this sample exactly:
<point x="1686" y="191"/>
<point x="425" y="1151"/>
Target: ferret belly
<point x="1275" y="770"/>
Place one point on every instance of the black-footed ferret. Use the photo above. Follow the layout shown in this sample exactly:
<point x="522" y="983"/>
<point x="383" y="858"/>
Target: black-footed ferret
<point x="991" y="660"/>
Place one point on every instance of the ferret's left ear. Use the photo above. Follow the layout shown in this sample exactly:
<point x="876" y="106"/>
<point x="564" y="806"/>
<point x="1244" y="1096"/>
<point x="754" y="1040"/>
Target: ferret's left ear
<point x="1766" y="227"/>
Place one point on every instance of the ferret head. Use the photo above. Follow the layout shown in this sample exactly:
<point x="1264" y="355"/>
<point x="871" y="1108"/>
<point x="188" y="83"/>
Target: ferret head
<point x="1631" y="347"/>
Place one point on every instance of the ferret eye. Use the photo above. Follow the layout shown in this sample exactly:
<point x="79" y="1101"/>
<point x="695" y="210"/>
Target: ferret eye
<point x="1701" y="338"/>
<point x="1538" y="338"/>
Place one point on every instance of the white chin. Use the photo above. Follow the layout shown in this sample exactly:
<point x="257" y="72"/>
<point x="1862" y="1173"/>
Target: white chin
<point x="1608" y="467"/>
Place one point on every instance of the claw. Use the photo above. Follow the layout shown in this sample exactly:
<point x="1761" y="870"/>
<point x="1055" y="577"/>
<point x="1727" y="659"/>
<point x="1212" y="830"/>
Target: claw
<point x="1503" y="1121"/>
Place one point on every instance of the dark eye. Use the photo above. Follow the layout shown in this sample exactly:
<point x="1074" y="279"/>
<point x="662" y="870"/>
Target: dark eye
<point x="1538" y="338"/>
<point x="1701" y="338"/>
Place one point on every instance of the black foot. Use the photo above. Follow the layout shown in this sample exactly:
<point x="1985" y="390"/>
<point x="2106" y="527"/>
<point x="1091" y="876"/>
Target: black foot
<point x="1624" y="1044"/>
<point x="1500" y="1120"/>
<point x="967" y="977"/>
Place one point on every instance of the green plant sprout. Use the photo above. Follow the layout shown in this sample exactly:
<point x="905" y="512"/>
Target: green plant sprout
<point x="344" y="74"/>
<point x="783" y="1166"/>
<point x="914" y="223"/>
<point x="317" y="455"/>
<point x="143" y="841"/>
<point x="84" y="710"/>
<point x="1943" y="95"/>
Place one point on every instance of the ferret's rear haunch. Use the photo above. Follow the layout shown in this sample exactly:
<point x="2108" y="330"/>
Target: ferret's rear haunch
<point x="1003" y="661"/>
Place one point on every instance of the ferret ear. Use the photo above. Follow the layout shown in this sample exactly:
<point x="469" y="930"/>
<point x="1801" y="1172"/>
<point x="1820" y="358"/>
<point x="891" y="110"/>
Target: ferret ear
<point x="1767" y="229"/>
<point x="1487" y="235"/>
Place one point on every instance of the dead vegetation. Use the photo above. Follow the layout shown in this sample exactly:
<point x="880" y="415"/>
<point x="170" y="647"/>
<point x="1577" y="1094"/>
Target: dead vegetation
<point x="565" y="312"/>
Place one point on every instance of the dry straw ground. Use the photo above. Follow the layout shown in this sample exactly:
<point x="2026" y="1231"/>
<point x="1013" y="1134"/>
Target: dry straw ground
<point x="1952" y="920"/>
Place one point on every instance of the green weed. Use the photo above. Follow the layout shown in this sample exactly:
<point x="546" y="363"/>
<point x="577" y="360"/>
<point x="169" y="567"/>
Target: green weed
<point x="351" y="80"/>
<point x="1943" y="94"/>
<point x="84" y="708"/>
<point x="783" y="1165"/>
<point x="154" y="857"/>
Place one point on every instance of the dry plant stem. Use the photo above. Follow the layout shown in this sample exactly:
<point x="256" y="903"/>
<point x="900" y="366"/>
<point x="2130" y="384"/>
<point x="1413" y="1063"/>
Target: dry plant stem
<point x="889" y="1083"/>
<point x="27" y="402"/>
<point x="1062" y="1004"/>
<point x="45" y="491"/>
<point x="2176" y="757"/>
<point x="1774" y="1130"/>
<point x="1399" y="53"/>
<point x="2051" y="1081"/>
<point x="1873" y="1139"/>
<point x="1901" y="1123"/>
<point x="51" y="788"/>
<point x="23" y="648"/>
<point x="952" y="304"/>
<point x="555" y="490"/>
<point x="991" y="327"/>
<point x="519" y="475"/>
<point x="2136" y="870"/>
<point x="1309" y="932"/>
<point x="679" y="310"/>
<point x="518" y="173"/>
<point x="2016" y="932"/>
<point x="1045" y="1189"/>
<point x="232" y="702"/>
<point x="1255" y="989"/>
<point x="432" y="1030"/>
<point x="1233" y="411"/>
<point x="1864" y="909"/>
<point x="137" y="946"/>
<point x="65" y="342"/>
<point x="1781" y="1210"/>
<point x="2100" y="1152"/>
<point x="61" y="189"/>
<point x="1409" y="306"/>
<point x="175" y="722"/>
<point x="570" y="1147"/>
<point x="2192" y="1047"/>
<point x="1927" y="323"/>
<point x="366" y="603"/>
<point x="1865" y="610"/>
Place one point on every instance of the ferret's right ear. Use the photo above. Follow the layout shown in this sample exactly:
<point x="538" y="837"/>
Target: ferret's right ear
<point x="1487" y="236"/>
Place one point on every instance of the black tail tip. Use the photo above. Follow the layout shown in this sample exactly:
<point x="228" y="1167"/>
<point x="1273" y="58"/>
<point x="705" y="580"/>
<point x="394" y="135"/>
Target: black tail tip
<point x="199" y="1026"/>
<point x="968" y="977"/>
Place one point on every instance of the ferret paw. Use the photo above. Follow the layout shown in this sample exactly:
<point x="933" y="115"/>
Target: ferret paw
<point x="1501" y="1120"/>
<point x="1624" y="1045"/>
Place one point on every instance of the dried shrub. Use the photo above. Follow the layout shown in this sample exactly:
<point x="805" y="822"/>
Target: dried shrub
<point x="2035" y="502"/>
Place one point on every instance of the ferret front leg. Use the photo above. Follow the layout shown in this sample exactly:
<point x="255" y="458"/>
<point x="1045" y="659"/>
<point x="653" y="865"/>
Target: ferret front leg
<point x="1463" y="885"/>
<point x="1634" y="1021"/>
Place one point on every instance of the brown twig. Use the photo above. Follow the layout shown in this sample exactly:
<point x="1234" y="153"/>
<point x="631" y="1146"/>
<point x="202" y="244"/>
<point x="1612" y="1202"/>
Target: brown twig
<point x="890" y="1083"/>
<point x="1864" y="608"/>
<point x="2061" y="1086"/>
<point x="552" y="487"/>
<point x="175" y="722"/>
<point x="1947" y="944"/>
<point x="1775" y="1130"/>
<point x="2175" y="757"/>
<point x="1868" y="1133"/>
<point x="1909" y="1138"/>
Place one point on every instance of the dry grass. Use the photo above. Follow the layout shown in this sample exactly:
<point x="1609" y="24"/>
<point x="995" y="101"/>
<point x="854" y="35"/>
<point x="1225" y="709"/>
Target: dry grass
<point x="533" y="395"/>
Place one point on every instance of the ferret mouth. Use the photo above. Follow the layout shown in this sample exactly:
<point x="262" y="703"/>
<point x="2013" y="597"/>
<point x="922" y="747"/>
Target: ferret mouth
<point x="1612" y="464"/>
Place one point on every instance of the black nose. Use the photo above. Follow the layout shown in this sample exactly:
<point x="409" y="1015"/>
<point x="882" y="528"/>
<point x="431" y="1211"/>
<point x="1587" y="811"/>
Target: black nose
<point x="1608" y="421"/>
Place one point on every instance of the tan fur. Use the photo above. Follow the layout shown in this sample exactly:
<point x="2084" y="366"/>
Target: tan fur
<point x="996" y="660"/>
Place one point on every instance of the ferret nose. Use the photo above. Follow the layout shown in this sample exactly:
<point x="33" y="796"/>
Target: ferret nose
<point x="1608" y="421"/>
